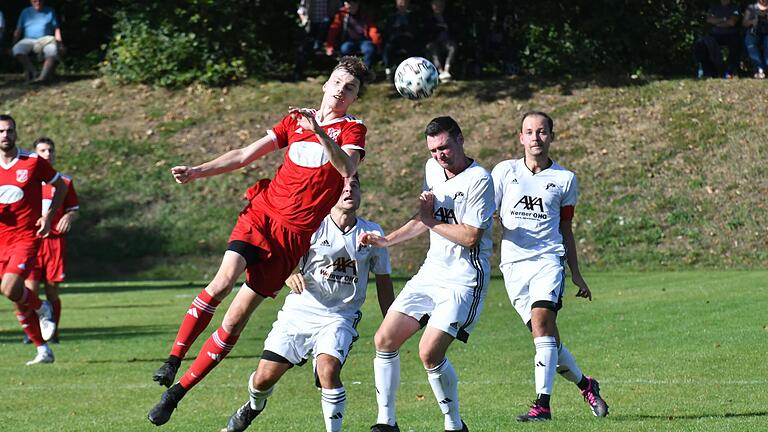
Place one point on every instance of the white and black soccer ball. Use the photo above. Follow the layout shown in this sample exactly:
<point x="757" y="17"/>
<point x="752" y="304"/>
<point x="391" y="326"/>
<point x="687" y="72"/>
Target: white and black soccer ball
<point x="416" y="78"/>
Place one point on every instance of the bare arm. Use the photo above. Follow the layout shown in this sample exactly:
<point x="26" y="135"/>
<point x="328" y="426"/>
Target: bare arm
<point x="44" y="223"/>
<point x="461" y="234"/>
<point x="345" y="161"/>
<point x="411" y="229"/>
<point x="566" y="227"/>
<point x="385" y="291"/>
<point x="227" y="162"/>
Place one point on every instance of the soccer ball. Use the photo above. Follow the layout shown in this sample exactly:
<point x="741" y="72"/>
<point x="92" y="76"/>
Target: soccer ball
<point x="416" y="78"/>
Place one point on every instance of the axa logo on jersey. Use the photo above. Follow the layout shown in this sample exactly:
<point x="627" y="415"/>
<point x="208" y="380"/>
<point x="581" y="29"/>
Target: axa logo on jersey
<point x="530" y="203"/>
<point x="446" y="215"/>
<point x="530" y="207"/>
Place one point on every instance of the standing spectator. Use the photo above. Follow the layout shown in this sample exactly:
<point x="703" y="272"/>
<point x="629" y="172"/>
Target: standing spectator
<point x="353" y="32"/>
<point x="724" y="32"/>
<point x="756" y="22"/>
<point x="38" y="31"/>
<point x="400" y="35"/>
<point x="51" y="258"/>
<point x="314" y="19"/>
<point x="440" y="42"/>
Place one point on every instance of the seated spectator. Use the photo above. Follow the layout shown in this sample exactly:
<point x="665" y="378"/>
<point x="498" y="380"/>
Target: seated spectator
<point x="440" y="44"/>
<point x="353" y="32"/>
<point x="38" y="31"/>
<point x="756" y="22"/>
<point x="723" y="17"/>
<point x="400" y="35"/>
<point x="314" y="19"/>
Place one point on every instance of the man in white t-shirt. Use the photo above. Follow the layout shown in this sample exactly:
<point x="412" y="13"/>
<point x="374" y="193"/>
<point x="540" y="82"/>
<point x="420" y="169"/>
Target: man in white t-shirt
<point x="447" y="293"/>
<point x="321" y="313"/>
<point x="536" y="198"/>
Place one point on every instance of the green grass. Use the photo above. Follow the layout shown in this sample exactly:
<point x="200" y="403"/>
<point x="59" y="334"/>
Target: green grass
<point x="682" y="351"/>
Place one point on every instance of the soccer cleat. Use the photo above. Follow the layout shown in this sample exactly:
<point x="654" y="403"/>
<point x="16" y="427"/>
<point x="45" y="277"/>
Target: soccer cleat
<point x="243" y="417"/>
<point x="380" y="427"/>
<point x="592" y="397"/>
<point x="536" y="413"/>
<point x="42" y="358"/>
<point x="464" y="428"/>
<point x="26" y="340"/>
<point x="166" y="374"/>
<point x="161" y="413"/>
<point x="47" y="325"/>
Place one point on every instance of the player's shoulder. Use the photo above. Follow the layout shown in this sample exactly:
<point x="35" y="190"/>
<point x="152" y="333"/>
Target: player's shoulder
<point x="349" y="118"/>
<point x="505" y="166"/>
<point x="66" y="177"/>
<point x="26" y="155"/>
<point x="368" y="226"/>
<point x="562" y="171"/>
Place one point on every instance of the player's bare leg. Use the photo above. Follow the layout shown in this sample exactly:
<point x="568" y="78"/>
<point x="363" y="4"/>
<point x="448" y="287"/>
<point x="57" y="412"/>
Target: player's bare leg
<point x="433" y="347"/>
<point x="34" y="315"/>
<point x="52" y="295"/>
<point x="260" y="385"/>
<point x="199" y="315"/>
<point x="391" y="335"/>
<point x="333" y="394"/>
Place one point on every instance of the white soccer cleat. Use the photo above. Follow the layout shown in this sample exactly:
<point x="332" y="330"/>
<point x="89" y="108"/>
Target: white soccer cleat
<point x="41" y="358"/>
<point x="47" y="325"/>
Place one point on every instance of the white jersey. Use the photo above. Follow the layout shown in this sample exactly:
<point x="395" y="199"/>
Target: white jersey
<point x="464" y="199"/>
<point x="529" y="208"/>
<point x="336" y="270"/>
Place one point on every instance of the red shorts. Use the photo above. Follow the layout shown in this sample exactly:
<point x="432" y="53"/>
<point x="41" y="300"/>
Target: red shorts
<point x="279" y="250"/>
<point x="49" y="266"/>
<point x="18" y="257"/>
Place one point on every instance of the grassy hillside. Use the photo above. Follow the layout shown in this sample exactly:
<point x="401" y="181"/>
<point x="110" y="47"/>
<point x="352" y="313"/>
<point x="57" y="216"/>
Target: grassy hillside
<point x="673" y="173"/>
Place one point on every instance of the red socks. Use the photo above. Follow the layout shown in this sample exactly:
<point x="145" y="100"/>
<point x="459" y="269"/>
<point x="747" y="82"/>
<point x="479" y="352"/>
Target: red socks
<point x="31" y="324"/>
<point x="195" y="321"/>
<point x="213" y="351"/>
<point x="29" y="300"/>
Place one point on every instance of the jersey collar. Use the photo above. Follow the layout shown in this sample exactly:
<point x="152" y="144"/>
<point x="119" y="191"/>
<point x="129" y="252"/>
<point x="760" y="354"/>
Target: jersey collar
<point x="13" y="161"/>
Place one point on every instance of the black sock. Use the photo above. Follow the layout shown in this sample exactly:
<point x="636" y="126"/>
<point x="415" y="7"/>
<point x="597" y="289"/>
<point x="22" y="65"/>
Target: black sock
<point x="584" y="383"/>
<point x="178" y="391"/>
<point x="175" y="361"/>
<point x="542" y="400"/>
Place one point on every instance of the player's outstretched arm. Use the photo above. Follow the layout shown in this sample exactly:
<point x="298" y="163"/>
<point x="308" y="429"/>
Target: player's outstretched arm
<point x="385" y="291"/>
<point x="344" y="162"/>
<point x="44" y="223"/>
<point x="411" y="229"/>
<point x="566" y="227"/>
<point x="227" y="162"/>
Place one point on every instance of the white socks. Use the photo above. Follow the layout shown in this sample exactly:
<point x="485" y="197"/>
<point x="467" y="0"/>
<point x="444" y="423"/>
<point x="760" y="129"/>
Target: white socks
<point x="545" y="364"/>
<point x="386" y="371"/>
<point x="332" y="401"/>
<point x="566" y="365"/>
<point x="258" y="397"/>
<point x="444" y="384"/>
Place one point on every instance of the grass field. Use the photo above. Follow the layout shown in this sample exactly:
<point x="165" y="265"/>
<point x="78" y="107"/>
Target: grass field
<point x="673" y="351"/>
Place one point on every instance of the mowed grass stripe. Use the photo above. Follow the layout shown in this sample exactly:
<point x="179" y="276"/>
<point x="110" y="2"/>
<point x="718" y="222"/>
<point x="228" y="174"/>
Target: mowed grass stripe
<point x="673" y="351"/>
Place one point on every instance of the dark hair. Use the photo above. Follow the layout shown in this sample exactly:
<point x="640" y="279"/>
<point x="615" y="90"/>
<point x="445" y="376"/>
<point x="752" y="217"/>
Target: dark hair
<point x="6" y="117"/>
<point x="44" y="140"/>
<point x="355" y="67"/>
<point x="546" y="116"/>
<point x="443" y="124"/>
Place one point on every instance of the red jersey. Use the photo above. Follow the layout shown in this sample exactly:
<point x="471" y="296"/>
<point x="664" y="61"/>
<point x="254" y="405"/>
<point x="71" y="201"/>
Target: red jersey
<point x="70" y="202"/>
<point x="21" y="194"/>
<point x="307" y="185"/>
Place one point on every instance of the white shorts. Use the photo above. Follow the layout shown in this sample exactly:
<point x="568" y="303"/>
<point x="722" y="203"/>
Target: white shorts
<point x="45" y="46"/>
<point x="538" y="279"/>
<point x="295" y="335"/>
<point x="453" y="310"/>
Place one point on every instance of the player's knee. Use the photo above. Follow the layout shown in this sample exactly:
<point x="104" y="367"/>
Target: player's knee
<point x="384" y="341"/>
<point x="263" y="379"/>
<point x="429" y="357"/>
<point x="329" y="373"/>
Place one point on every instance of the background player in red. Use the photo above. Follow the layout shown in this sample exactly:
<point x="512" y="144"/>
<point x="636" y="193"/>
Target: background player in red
<point x="22" y="224"/>
<point x="50" y="264"/>
<point x="274" y="230"/>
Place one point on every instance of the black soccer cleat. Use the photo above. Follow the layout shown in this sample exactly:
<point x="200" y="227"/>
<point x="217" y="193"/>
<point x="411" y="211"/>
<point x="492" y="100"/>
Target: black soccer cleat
<point x="380" y="427"/>
<point x="536" y="413"/>
<point x="592" y="397"/>
<point x="464" y="428"/>
<point x="243" y="417"/>
<point x="166" y="375"/>
<point x="161" y="413"/>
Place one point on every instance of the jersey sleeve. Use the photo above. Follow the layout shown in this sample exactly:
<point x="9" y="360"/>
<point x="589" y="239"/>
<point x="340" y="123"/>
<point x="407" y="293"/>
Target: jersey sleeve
<point x="70" y="199"/>
<point x="380" y="263"/>
<point x="497" y="175"/>
<point x="480" y="204"/>
<point x="354" y="137"/>
<point x="44" y="172"/>
<point x="279" y="133"/>
<point x="571" y="192"/>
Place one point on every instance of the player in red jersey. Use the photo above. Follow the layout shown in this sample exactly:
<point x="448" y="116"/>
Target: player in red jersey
<point x="274" y="230"/>
<point x="50" y="264"/>
<point x="22" y="224"/>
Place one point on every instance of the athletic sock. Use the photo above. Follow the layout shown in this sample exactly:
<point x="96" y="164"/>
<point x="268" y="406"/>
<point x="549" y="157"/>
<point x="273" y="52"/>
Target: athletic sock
<point x="258" y="397"/>
<point x="545" y="363"/>
<point x="583" y="383"/>
<point x="198" y="317"/>
<point x="542" y="400"/>
<point x="56" y="304"/>
<point x="567" y="367"/>
<point x="213" y="351"/>
<point x="386" y="372"/>
<point x="444" y="383"/>
<point x="332" y="401"/>
<point x="29" y="300"/>
<point x="30" y="322"/>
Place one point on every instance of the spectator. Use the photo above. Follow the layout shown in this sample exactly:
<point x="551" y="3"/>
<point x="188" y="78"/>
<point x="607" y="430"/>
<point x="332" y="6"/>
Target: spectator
<point x="353" y="32"/>
<point x="38" y="31"/>
<point x="400" y="36"/>
<point x="756" y="22"/>
<point x="440" y="44"/>
<point x="723" y="17"/>
<point x="314" y="19"/>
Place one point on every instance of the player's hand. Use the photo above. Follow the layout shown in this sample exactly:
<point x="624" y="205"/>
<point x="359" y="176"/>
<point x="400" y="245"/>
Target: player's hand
<point x="296" y="283"/>
<point x="305" y="118"/>
<point x="65" y="223"/>
<point x="44" y="225"/>
<point x="371" y="239"/>
<point x="583" y="288"/>
<point x="426" y="206"/>
<point x="184" y="174"/>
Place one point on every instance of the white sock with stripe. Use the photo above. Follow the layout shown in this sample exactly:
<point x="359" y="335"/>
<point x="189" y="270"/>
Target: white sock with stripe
<point x="386" y="372"/>
<point x="545" y="364"/>
<point x="258" y="397"/>
<point x="332" y="401"/>
<point x="566" y="365"/>
<point x="445" y="386"/>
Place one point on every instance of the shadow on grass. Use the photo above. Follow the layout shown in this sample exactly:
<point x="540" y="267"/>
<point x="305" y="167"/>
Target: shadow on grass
<point x="14" y="86"/>
<point x="94" y="333"/>
<point x="124" y="306"/>
<point x="116" y="288"/>
<point x="689" y="416"/>
<point x="158" y="360"/>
